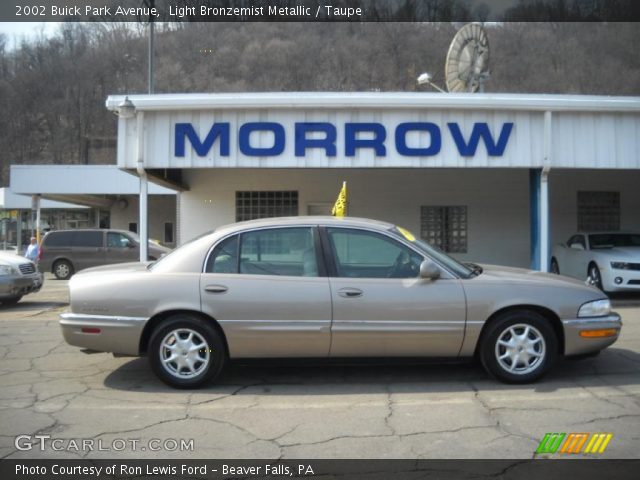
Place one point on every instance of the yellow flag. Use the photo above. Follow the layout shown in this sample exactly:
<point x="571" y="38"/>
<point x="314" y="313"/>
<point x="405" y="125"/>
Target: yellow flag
<point x="340" y="207"/>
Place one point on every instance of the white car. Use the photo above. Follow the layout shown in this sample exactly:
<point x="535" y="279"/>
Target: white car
<point x="608" y="260"/>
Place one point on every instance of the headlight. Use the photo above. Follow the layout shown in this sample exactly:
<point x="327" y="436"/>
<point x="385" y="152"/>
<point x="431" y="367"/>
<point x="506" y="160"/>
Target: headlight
<point x="621" y="265"/>
<point x="8" y="270"/>
<point x="599" y="308"/>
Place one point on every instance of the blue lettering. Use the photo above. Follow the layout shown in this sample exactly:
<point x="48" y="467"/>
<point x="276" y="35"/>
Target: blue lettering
<point x="328" y="143"/>
<point x="186" y="130"/>
<point x="245" y="144"/>
<point x="468" y="149"/>
<point x="351" y="143"/>
<point x="401" y="139"/>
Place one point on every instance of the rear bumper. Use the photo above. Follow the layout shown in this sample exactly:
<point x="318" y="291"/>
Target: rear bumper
<point x="12" y="286"/>
<point x="107" y="333"/>
<point x="574" y="344"/>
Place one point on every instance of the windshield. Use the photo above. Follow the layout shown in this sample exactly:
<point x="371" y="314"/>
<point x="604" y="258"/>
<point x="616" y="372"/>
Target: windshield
<point x="611" y="240"/>
<point x="173" y="259"/>
<point x="434" y="253"/>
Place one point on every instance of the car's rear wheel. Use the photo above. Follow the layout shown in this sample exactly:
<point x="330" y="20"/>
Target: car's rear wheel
<point x="519" y="347"/>
<point x="63" y="269"/>
<point x="594" y="277"/>
<point x="11" y="301"/>
<point x="555" y="268"/>
<point x="186" y="351"/>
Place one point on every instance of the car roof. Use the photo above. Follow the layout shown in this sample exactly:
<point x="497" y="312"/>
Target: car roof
<point x="89" y="230"/>
<point x="306" y="220"/>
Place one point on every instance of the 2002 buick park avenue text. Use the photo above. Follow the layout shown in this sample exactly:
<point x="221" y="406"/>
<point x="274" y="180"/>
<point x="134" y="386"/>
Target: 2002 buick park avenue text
<point x="327" y="287"/>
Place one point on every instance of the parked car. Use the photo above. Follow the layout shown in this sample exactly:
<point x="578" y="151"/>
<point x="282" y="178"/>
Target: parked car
<point x="18" y="277"/>
<point x="64" y="252"/>
<point x="330" y="287"/>
<point x="608" y="260"/>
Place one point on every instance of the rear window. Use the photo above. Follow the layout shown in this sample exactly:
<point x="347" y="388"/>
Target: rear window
<point x="87" y="239"/>
<point x="58" y="239"/>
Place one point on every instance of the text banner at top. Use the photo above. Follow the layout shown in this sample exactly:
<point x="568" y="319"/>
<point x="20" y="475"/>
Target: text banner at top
<point x="318" y="10"/>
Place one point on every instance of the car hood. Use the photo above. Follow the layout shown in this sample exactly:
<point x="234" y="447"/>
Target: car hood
<point x="520" y="275"/>
<point x="627" y="253"/>
<point x="12" y="259"/>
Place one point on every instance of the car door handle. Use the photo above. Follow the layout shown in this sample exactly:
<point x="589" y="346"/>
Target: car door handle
<point x="216" y="288"/>
<point x="350" y="292"/>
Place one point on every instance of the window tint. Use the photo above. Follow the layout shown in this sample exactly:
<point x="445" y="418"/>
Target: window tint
<point x="224" y="258"/>
<point x="362" y="254"/>
<point x="87" y="239"/>
<point x="118" y="240"/>
<point x="59" y="239"/>
<point x="282" y="251"/>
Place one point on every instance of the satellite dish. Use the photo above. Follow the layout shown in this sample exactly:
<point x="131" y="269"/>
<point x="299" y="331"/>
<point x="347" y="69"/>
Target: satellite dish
<point x="467" y="66"/>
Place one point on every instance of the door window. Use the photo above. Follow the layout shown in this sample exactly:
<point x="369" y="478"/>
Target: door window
<point x="118" y="240"/>
<point x="280" y="251"/>
<point x="87" y="239"/>
<point x="224" y="258"/>
<point x="363" y="254"/>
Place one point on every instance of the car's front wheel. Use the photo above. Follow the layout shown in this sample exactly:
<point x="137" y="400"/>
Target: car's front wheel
<point x="519" y="347"/>
<point x="594" y="277"/>
<point x="186" y="351"/>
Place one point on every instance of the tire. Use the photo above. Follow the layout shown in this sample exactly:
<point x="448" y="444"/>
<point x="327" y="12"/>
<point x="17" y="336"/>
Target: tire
<point x="206" y="363"/>
<point x="555" y="268"/>
<point x="63" y="269"/>
<point x="594" y="277"/>
<point x="541" y="339"/>
<point x="7" y="302"/>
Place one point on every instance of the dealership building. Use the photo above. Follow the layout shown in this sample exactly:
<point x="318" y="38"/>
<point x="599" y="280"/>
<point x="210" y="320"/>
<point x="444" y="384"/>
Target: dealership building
<point x="492" y="178"/>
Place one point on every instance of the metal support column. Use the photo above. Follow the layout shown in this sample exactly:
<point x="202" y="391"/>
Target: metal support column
<point x="143" y="229"/>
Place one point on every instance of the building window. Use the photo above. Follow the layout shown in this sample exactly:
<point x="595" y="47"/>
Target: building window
<point x="133" y="227"/>
<point x="168" y="232"/>
<point x="252" y="205"/>
<point x="445" y="227"/>
<point x="598" y="211"/>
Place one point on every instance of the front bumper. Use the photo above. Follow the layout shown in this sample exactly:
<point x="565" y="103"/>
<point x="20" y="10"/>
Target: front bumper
<point x="103" y="333"/>
<point x="12" y="286"/>
<point x="574" y="344"/>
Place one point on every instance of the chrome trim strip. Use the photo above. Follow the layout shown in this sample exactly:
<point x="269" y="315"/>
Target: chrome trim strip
<point x="613" y="318"/>
<point x="78" y="317"/>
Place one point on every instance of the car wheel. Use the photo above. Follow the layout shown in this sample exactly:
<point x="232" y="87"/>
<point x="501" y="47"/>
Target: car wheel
<point x="63" y="269"/>
<point x="519" y="347"/>
<point x="186" y="351"/>
<point x="11" y="301"/>
<point x="555" y="268"/>
<point x="593" y="276"/>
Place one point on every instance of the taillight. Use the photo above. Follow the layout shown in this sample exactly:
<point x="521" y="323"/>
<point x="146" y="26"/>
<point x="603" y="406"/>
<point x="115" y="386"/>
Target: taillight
<point x="40" y="253"/>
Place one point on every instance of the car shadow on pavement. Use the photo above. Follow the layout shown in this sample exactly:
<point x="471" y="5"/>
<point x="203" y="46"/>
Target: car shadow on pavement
<point x="32" y="305"/>
<point x="614" y="367"/>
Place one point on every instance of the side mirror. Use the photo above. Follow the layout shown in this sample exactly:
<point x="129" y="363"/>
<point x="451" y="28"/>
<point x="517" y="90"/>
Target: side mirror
<point x="576" y="246"/>
<point x="429" y="270"/>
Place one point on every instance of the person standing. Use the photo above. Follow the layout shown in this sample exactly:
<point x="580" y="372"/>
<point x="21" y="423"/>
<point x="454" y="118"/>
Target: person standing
<point x="32" y="250"/>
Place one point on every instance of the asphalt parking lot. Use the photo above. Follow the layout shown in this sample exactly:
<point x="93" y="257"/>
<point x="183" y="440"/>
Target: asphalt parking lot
<point x="313" y="411"/>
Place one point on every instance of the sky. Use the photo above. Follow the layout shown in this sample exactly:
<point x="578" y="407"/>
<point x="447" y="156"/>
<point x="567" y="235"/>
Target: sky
<point x="15" y="31"/>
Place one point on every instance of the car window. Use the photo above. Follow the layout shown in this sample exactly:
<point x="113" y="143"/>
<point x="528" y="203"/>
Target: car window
<point x="611" y="240"/>
<point x="87" y="239"/>
<point x="224" y="258"/>
<point x="279" y="251"/>
<point x="363" y="254"/>
<point x="58" y="239"/>
<point x="577" y="239"/>
<point x="117" y="240"/>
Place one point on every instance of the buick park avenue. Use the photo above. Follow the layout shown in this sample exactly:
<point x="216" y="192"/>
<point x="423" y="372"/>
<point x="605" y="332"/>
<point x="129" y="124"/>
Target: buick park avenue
<point x="326" y="287"/>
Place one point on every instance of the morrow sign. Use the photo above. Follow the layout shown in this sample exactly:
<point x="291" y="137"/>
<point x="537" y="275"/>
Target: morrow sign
<point x="324" y="135"/>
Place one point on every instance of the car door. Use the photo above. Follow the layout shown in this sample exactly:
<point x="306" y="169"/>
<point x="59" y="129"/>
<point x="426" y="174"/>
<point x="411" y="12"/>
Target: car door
<point x="120" y="248"/>
<point x="381" y="307"/>
<point x="268" y="290"/>
<point x="87" y="249"/>
<point x="575" y="258"/>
